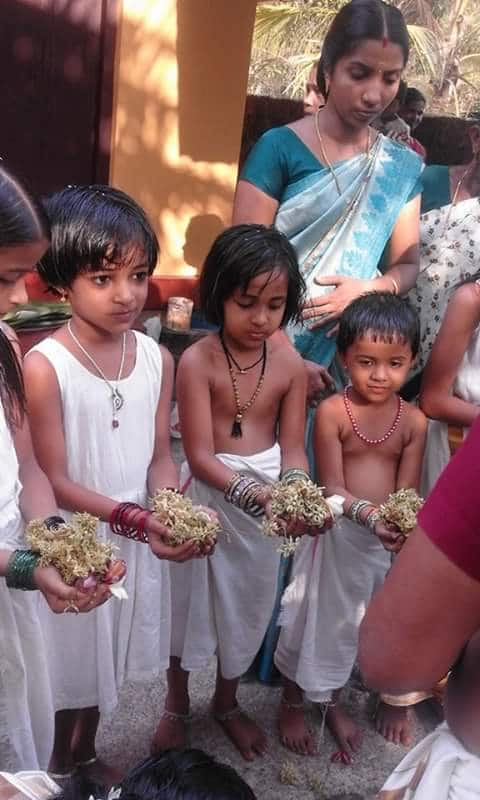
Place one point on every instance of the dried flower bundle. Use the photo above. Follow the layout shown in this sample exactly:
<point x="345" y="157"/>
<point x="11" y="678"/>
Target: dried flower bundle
<point x="73" y="548"/>
<point x="185" y="521"/>
<point x="401" y="510"/>
<point x="301" y="500"/>
<point x="289" y="774"/>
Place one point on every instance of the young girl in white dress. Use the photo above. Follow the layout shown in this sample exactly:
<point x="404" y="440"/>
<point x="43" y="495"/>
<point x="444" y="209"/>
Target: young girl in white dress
<point x="450" y="393"/>
<point x="26" y="708"/>
<point x="99" y="395"/>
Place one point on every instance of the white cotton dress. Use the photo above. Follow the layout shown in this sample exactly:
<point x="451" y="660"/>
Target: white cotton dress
<point x="90" y="655"/>
<point x="333" y="579"/>
<point x="438" y="768"/>
<point x="26" y="708"/>
<point x="222" y="605"/>
<point x="467" y="387"/>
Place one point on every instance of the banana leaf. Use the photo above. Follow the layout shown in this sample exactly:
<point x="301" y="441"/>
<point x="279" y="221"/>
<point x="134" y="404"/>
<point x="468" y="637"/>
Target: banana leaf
<point x="37" y="315"/>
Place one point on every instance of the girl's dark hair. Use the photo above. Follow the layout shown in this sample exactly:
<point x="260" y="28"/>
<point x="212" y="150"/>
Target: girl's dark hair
<point x="382" y="315"/>
<point x="22" y="221"/>
<point x="93" y="226"/>
<point x="237" y="256"/>
<point x="413" y="95"/>
<point x="174" y="775"/>
<point x="355" y="22"/>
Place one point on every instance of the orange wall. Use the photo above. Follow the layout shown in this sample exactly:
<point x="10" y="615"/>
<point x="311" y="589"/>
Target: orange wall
<point x="180" y="87"/>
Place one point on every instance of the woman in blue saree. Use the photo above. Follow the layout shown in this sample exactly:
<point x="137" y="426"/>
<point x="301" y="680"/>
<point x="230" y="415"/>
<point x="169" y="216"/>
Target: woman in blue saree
<point x="347" y="198"/>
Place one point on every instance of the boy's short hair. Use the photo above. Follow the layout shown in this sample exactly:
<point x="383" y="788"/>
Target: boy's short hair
<point x="237" y="256"/>
<point x="93" y="227"/>
<point x="385" y="316"/>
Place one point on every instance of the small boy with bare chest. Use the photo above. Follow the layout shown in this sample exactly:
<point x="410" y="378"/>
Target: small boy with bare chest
<point x="368" y="443"/>
<point x="241" y="397"/>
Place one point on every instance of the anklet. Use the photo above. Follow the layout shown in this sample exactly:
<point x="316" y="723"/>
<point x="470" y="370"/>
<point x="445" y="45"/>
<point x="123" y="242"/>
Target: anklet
<point x="228" y="715"/>
<point x="87" y="763"/>
<point x="174" y="716"/>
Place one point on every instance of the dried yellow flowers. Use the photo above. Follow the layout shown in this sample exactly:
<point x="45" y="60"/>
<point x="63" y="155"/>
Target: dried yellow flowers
<point x="301" y="500"/>
<point x="73" y="548"/>
<point x="289" y="774"/>
<point x="185" y="521"/>
<point x="401" y="510"/>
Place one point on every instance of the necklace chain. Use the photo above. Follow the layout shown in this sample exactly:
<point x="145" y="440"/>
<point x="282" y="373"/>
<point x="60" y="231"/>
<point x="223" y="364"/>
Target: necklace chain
<point x="357" y="430"/>
<point x="243" y="370"/>
<point x="241" y="409"/>
<point x="324" y="152"/>
<point x="116" y="396"/>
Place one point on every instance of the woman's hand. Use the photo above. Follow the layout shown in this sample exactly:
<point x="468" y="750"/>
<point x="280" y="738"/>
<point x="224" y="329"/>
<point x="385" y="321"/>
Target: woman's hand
<point x="332" y="304"/>
<point x="319" y="381"/>
<point x="61" y="597"/>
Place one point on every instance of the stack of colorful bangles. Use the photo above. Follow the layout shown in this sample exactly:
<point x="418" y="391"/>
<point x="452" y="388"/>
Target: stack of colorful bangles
<point x="22" y="563"/>
<point x="129" y="520"/>
<point x="369" y="519"/>
<point x="243" y="492"/>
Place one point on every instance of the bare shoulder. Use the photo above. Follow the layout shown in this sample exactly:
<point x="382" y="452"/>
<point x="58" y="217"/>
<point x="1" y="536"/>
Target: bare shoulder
<point x="285" y="355"/>
<point x="332" y="408"/>
<point x="37" y="366"/>
<point x="415" y="418"/>
<point x="198" y="356"/>
<point x="166" y="356"/>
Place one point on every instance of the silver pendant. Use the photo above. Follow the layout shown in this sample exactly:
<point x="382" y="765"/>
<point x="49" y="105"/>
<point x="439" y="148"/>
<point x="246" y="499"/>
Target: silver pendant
<point x="117" y="399"/>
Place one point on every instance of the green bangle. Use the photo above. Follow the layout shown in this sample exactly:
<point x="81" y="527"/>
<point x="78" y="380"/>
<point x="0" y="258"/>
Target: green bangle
<point x="20" y="569"/>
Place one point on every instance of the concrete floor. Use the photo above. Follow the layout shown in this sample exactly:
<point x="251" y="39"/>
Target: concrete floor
<point x="124" y="739"/>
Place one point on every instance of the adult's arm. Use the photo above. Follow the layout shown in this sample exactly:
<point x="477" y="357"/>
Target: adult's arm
<point x="460" y="321"/>
<point x="429" y="605"/>
<point x="419" y="621"/>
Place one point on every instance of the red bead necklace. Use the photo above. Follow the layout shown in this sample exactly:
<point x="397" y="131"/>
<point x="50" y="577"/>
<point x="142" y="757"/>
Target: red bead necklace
<point x="357" y="430"/>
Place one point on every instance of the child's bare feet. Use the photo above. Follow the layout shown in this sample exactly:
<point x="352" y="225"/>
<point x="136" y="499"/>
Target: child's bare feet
<point x="245" y="734"/>
<point x="171" y="732"/>
<point x="293" y="728"/>
<point x="394" y="723"/>
<point x="345" y="732"/>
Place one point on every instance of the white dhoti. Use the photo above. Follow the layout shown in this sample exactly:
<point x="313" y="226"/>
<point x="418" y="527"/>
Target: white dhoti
<point x="222" y="604"/>
<point x="333" y="579"/>
<point x="438" y="768"/>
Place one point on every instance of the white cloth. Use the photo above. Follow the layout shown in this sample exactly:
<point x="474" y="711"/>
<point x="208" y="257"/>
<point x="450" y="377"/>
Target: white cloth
<point x="467" y="387"/>
<point x="333" y="579"/>
<point x="438" y="768"/>
<point x="222" y="604"/>
<point x="90" y="655"/>
<point x="26" y="708"/>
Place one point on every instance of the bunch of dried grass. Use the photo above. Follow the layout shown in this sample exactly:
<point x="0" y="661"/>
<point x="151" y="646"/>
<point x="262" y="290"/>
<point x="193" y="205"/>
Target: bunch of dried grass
<point x="73" y="547"/>
<point x="186" y="522"/>
<point x="401" y="510"/>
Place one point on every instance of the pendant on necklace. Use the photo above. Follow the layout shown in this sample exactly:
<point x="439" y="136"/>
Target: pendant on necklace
<point x="115" y="423"/>
<point x="117" y="399"/>
<point x="237" y="426"/>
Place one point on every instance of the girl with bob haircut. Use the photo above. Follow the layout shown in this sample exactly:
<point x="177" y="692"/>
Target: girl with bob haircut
<point x="99" y="395"/>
